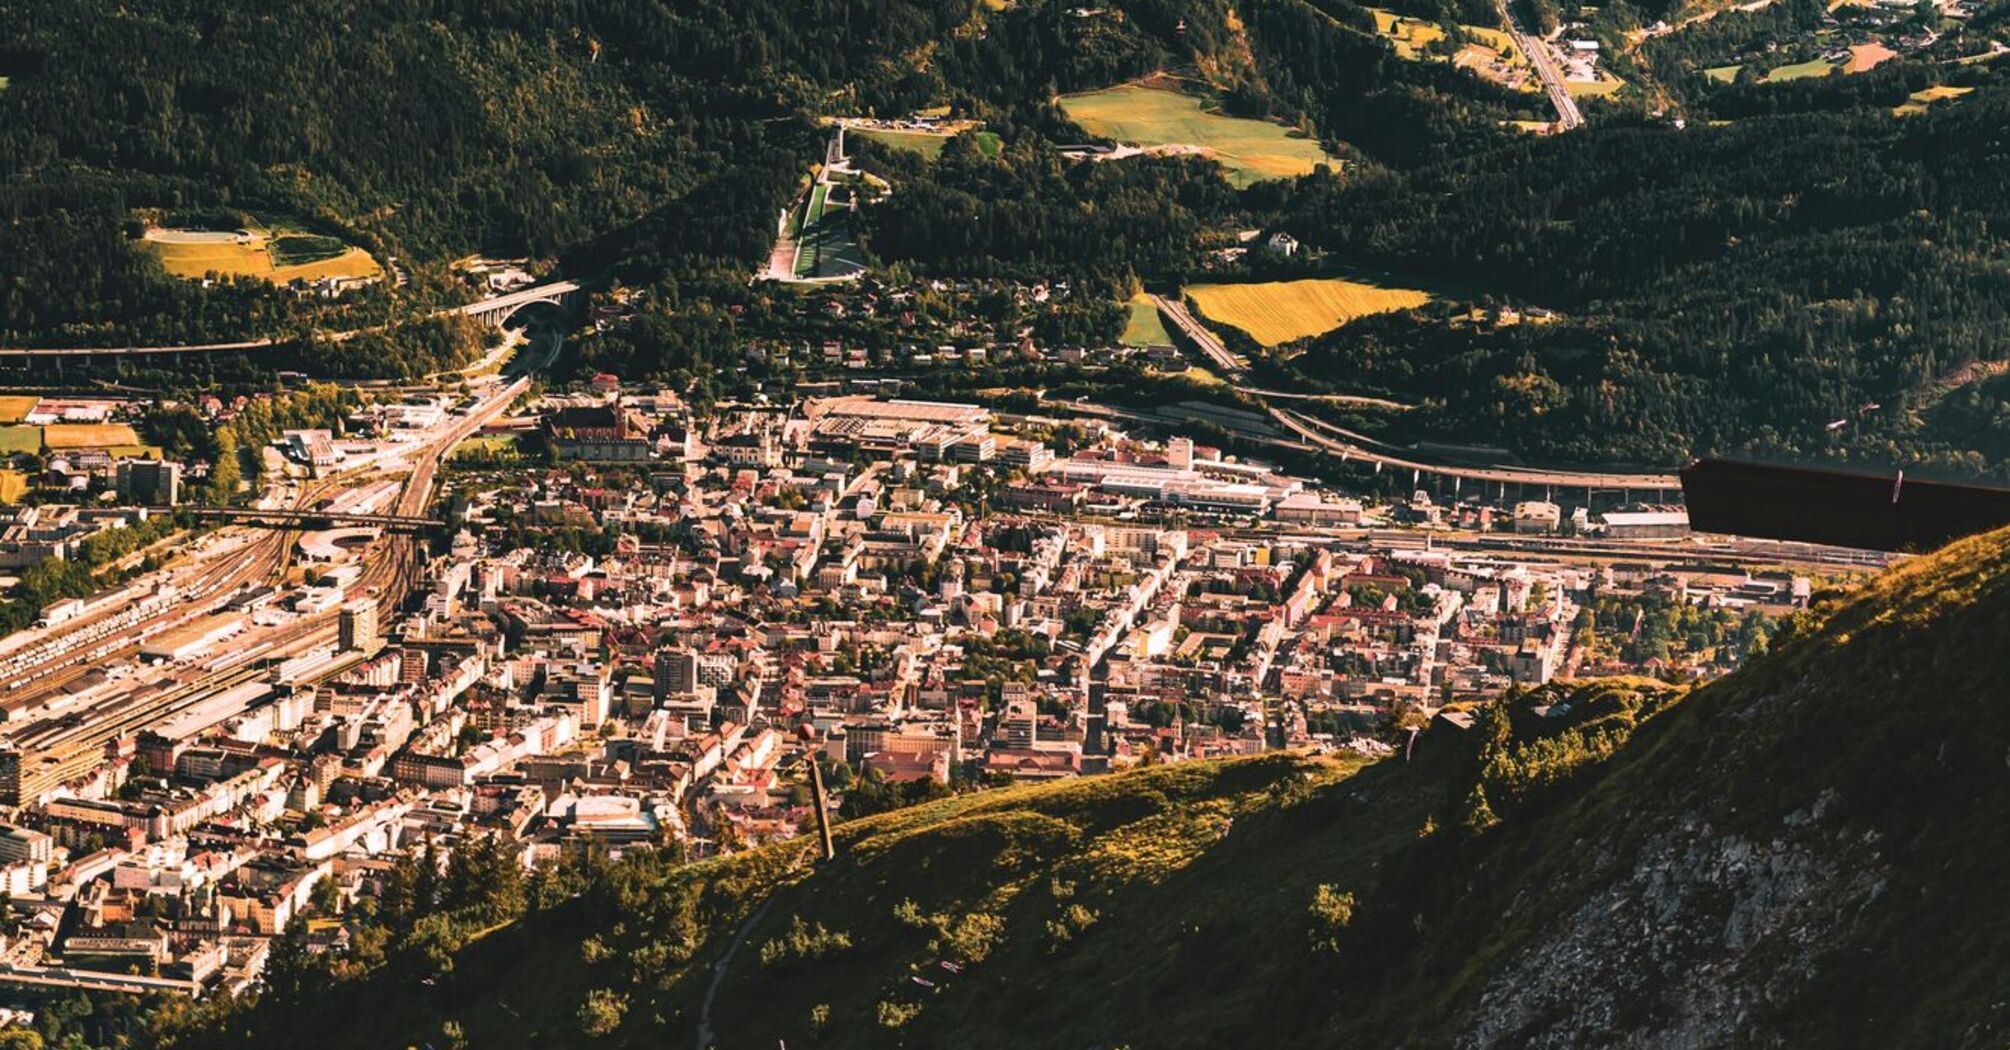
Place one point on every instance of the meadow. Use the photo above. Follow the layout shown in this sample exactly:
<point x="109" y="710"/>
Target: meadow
<point x="15" y="407"/>
<point x="278" y="258"/>
<point x="1143" y="326"/>
<point x="1251" y="150"/>
<point x="1918" y="101"/>
<point x="1278" y="312"/>
<point x="20" y="439"/>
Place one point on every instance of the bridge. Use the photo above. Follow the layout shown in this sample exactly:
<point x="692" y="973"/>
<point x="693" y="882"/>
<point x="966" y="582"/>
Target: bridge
<point x="305" y="518"/>
<point x="496" y="309"/>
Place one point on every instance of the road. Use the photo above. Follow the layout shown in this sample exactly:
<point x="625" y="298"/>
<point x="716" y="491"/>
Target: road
<point x="1567" y="116"/>
<point x="1316" y="436"/>
<point x="495" y="305"/>
<point x="1210" y="344"/>
<point x="1321" y="436"/>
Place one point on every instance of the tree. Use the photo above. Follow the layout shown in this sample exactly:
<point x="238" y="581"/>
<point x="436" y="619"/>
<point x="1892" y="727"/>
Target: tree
<point x="601" y="1013"/>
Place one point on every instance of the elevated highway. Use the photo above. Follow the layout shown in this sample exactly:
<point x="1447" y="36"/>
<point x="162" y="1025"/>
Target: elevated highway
<point x="495" y="309"/>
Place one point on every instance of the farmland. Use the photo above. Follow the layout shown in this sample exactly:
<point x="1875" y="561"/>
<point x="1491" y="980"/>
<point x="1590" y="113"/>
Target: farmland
<point x="15" y="407"/>
<point x="1143" y="326"/>
<point x="276" y="257"/>
<point x="1278" y="312"/>
<point x="1151" y="118"/>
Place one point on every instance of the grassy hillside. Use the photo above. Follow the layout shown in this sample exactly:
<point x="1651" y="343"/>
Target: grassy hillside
<point x="1803" y="854"/>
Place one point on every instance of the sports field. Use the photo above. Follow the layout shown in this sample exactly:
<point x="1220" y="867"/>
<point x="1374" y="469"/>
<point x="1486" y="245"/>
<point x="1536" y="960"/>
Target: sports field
<point x="1278" y="312"/>
<point x="1251" y="150"/>
<point x="826" y="246"/>
<point x="1144" y="327"/>
<point x="88" y="435"/>
<point x="277" y="258"/>
<point x="1918" y="101"/>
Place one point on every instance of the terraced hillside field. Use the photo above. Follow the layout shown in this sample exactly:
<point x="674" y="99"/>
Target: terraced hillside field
<point x="1277" y="312"/>
<point x="1151" y="118"/>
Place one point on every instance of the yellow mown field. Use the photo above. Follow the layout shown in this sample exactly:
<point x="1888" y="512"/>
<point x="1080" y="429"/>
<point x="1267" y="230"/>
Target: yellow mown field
<point x="88" y="435"/>
<point x="15" y="408"/>
<point x="1251" y="150"/>
<point x="1278" y="312"/>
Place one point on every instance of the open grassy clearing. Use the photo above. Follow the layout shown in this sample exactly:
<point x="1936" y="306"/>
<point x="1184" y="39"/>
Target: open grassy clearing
<point x="1918" y="101"/>
<point x="491" y="444"/>
<point x="925" y="143"/>
<point x="20" y="439"/>
<point x="1278" y="312"/>
<point x="15" y="407"/>
<point x="1814" y="67"/>
<point x="1410" y="36"/>
<point x="1144" y="326"/>
<point x="1251" y="150"/>
<point x="13" y="485"/>
<point x="279" y="258"/>
<point x="88" y="435"/>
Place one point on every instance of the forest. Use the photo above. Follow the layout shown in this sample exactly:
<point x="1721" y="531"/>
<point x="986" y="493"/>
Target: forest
<point x="1808" y="285"/>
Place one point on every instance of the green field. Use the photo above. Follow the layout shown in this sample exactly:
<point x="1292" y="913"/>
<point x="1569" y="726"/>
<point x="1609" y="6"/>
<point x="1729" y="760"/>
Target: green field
<point x="922" y="142"/>
<point x="1251" y="150"/>
<point x="1723" y="74"/>
<point x="1144" y="327"/>
<point x="1277" y="312"/>
<point x="1814" y="67"/>
<point x="20" y="439"/>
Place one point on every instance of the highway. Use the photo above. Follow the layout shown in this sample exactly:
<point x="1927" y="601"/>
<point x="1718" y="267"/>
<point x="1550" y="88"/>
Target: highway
<point x="495" y="306"/>
<point x="1321" y="435"/>
<point x="1567" y="116"/>
<point x="1209" y="343"/>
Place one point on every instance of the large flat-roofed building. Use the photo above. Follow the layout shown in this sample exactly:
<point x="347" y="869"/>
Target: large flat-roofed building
<point x="151" y="481"/>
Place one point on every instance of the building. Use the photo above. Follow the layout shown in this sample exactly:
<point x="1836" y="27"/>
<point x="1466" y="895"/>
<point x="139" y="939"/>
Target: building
<point x="316" y="448"/>
<point x="357" y="628"/>
<point x="1537" y="516"/>
<point x="597" y="434"/>
<point x="155" y="482"/>
<point x="1646" y="524"/>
